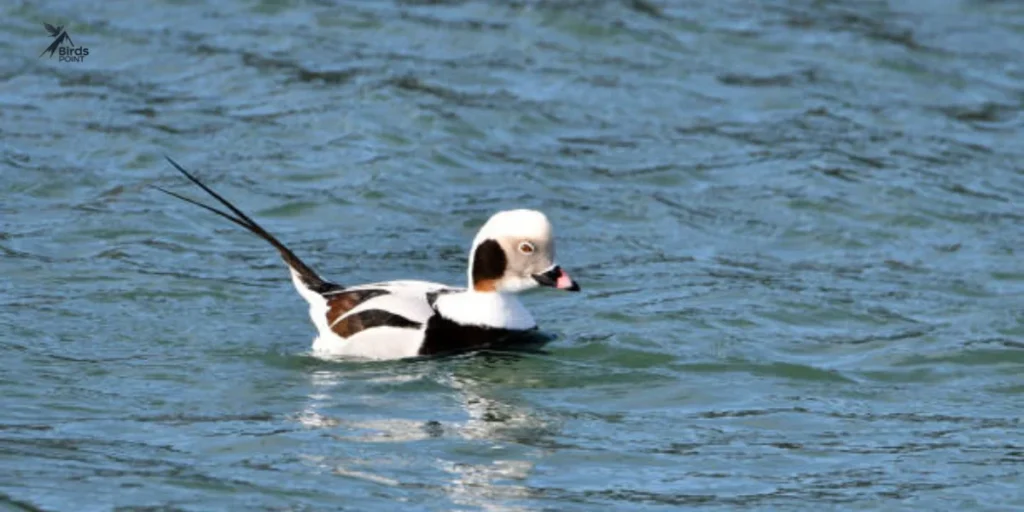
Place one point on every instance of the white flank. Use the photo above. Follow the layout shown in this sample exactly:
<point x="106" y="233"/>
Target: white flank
<point x="376" y="343"/>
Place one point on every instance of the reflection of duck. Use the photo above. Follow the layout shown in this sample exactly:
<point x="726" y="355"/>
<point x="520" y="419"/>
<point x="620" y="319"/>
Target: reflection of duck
<point x="60" y="36"/>
<point x="482" y="459"/>
<point x="513" y="251"/>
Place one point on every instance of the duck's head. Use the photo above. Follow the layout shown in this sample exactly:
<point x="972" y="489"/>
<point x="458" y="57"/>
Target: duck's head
<point x="515" y="251"/>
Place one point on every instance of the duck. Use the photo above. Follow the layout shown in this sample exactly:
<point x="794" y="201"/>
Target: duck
<point x="513" y="252"/>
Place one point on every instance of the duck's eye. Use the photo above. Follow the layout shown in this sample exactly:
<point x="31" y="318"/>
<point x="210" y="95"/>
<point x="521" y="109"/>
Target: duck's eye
<point x="526" y="247"/>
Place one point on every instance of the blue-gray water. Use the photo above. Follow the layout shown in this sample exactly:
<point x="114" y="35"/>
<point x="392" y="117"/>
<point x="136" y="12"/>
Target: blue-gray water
<point x="798" y="226"/>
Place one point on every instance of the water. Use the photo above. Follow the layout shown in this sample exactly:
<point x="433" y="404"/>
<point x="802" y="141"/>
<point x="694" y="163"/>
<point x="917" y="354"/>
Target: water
<point x="797" y="225"/>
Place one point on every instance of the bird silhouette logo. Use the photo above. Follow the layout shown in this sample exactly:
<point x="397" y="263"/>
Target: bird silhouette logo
<point x="59" y="35"/>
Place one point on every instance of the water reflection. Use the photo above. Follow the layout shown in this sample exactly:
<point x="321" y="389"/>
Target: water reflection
<point x="464" y="398"/>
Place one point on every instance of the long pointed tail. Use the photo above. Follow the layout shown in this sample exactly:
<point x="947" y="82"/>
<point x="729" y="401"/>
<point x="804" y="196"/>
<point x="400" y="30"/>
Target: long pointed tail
<point x="306" y="275"/>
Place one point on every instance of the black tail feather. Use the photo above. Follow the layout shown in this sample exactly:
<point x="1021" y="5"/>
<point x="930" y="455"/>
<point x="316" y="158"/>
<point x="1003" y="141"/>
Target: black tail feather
<point x="310" y="278"/>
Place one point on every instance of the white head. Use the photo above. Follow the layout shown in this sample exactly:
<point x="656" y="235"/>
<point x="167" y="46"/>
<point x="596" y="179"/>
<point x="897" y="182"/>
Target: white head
<point x="515" y="251"/>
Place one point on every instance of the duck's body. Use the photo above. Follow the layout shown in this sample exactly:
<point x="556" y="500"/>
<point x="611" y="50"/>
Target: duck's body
<point x="399" y="319"/>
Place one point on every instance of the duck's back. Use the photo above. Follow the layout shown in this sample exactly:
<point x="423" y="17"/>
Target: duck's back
<point x="384" y="320"/>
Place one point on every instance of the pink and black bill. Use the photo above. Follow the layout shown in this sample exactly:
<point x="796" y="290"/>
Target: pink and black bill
<point x="555" y="277"/>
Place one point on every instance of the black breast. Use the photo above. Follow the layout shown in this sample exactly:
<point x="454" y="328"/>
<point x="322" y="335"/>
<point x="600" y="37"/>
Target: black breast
<point x="444" y="336"/>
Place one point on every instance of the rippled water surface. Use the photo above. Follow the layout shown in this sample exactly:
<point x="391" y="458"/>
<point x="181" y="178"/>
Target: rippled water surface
<point x="797" y="224"/>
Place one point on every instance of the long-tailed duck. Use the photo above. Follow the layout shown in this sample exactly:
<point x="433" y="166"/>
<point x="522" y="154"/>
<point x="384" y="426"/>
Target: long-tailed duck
<point x="514" y="251"/>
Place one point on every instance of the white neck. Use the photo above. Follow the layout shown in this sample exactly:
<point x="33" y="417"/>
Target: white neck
<point x="488" y="309"/>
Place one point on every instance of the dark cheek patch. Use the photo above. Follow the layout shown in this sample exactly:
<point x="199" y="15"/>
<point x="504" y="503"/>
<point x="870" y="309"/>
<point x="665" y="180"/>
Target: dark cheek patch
<point x="489" y="263"/>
